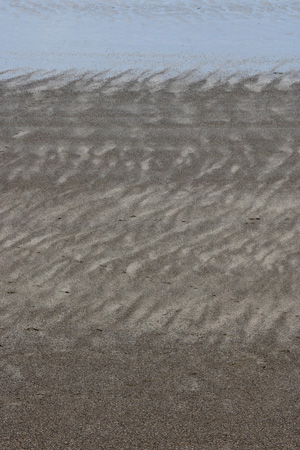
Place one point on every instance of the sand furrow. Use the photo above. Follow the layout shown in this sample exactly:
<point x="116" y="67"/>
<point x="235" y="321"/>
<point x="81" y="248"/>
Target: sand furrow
<point x="168" y="210"/>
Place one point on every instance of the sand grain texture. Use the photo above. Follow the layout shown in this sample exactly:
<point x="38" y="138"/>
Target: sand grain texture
<point x="149" y="263"/>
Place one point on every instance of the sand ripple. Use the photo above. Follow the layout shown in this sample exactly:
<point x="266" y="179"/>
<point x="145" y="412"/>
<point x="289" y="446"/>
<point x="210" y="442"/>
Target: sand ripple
<point x="151" y="206"/>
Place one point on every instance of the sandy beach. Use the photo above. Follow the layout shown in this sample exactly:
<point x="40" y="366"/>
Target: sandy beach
<point x="149" y="262"/>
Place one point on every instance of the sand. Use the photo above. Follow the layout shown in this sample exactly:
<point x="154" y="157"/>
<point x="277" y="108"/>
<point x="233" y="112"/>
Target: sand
<point x="149" y="262"/>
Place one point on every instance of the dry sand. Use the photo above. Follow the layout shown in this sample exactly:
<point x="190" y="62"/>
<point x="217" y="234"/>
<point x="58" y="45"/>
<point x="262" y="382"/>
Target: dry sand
<point x="149" y="263"/>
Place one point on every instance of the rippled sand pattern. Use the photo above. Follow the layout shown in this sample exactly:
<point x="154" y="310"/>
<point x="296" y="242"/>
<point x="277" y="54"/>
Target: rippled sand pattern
<point x="150" y="208"/>
<point x="156" y="206"/>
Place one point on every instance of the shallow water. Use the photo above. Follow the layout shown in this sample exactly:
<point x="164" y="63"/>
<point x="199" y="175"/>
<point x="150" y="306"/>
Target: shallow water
<point x="119" y="35"/>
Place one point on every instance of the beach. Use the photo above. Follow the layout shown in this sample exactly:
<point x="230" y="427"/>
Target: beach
<point x="149" y="212"/>
<point x="149" y="262"/>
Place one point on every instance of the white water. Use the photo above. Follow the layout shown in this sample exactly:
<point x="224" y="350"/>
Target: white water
<point x="207" y="35"/>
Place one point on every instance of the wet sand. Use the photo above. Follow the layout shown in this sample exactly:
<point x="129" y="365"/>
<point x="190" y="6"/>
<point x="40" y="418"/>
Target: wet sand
<point x="149" y="263"/>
